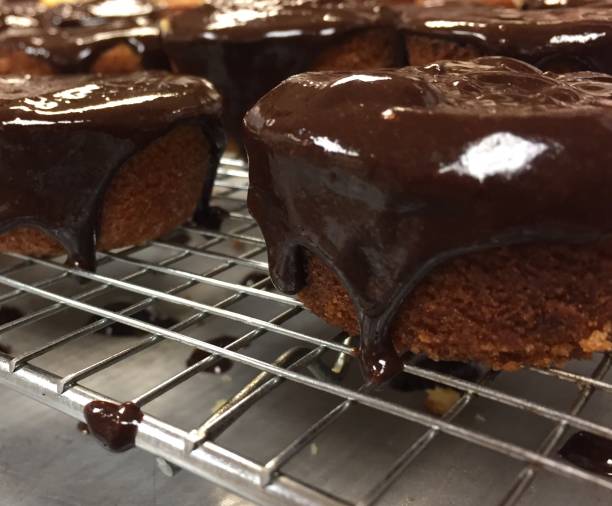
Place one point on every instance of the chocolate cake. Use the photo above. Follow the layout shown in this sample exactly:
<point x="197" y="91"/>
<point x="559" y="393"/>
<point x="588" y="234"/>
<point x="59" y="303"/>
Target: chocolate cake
<point x="561" y="40"/>
<point x="459" y="209"/>
<point x="114" y="46"/>
<point x="245" y="48"/>
<point x="93" y="162"/>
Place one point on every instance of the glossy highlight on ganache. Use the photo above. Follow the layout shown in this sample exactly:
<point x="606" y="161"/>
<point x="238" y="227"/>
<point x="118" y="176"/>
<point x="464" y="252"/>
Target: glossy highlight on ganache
<point x="62" y="139"/>
<point x="247" y="47"/>
<point x="386" y="174"/>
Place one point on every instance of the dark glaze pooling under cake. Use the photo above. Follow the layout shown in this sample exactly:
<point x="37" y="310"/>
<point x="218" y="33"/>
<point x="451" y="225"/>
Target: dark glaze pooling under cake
<point x="246" y="47"/>
<point x="62" y="139"/>
<point x="568" y="39"/>
<point x="386" y="174"/>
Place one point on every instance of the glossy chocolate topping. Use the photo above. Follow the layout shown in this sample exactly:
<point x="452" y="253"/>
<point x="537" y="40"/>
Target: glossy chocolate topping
<point x="385" y="174"/>
<point x="552" y="39"/>
<point x="245" y="47"/>
<point x="62" y="139"/>
<point x="253" y="20"/>
<point x="74" y="49"/>
<point x="96" y="12"/>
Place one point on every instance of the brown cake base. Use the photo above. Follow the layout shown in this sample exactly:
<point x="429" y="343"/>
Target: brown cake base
<point x="365" y="49"/>
<point x="153" y="192"/>
<point x="119" y="59"/>
<point x="525" y="305"/>
<point x="422" y="50"/>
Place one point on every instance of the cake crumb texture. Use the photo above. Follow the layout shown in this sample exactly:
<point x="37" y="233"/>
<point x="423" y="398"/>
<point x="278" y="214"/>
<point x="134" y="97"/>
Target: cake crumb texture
<point x="538" y="305"/>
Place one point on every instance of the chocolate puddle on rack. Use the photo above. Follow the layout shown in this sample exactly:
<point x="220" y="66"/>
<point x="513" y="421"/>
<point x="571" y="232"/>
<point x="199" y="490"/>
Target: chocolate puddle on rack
<point x="146" y="315"/>
<point x="114" y="425"/>
<point x="223" y="364"/>
<point x="589" y="451"/>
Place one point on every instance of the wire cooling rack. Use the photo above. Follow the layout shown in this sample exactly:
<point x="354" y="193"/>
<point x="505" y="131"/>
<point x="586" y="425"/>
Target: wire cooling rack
<point x="292" y="421"/>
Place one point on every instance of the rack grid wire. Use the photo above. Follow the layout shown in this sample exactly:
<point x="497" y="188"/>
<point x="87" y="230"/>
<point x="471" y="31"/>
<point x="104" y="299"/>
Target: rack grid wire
<point x="273" y="429"/>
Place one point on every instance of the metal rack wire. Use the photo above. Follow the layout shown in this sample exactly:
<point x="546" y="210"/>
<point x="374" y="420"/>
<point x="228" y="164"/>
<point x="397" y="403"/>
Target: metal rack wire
<point x="199" y="275"/>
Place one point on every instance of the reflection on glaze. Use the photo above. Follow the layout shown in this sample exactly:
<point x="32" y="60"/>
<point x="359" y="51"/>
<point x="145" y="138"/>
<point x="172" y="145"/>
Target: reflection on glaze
<point x="569" y="39"/>
<point x="73" y="133"/>
<point x="453" y="157"/>
<point x="248" y="20"/>
<point x="119" y="8"/>
<point x="247" y="47"/>
<point x="95" y="13"/>
<point x="332" y="146"/>
<point x="498" y="154"/>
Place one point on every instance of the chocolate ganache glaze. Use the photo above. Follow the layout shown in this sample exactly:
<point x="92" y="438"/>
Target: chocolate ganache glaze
<point x="570" y="39"/>
<point x="247" y="47"/>
<point x="386" y="174"/>
<point x="96" y="12"/>
<point x="62" y="139"/>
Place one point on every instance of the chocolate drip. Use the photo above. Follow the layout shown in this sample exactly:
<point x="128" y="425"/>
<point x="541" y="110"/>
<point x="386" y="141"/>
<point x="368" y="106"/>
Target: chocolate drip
<point x="570" y="39"/>
<point x="73" y="133"/>
<point x="246" y="48"/>
<point x="211" y="217"/>
<point x="386" y="174"/>
<point x="83" y="428"/>
<point x="147" y="315"/>
<point x="222" y="365"/>
<point x="8" y="314"/>
<point x="590" y="452"/>
<point x="114" y="425"/>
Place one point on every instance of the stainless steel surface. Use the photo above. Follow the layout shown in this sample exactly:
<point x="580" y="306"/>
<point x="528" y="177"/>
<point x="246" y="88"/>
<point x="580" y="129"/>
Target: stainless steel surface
<point x="292" y="421"/>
